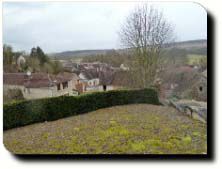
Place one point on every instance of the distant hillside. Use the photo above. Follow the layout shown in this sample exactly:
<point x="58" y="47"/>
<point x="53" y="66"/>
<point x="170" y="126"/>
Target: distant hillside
<point x="198" y="47"/>
<point x="192" y="45"/>
<point x="78" y="53"/>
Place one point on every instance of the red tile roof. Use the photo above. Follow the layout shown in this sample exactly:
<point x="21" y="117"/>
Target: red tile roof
<point x="36" y="80"/>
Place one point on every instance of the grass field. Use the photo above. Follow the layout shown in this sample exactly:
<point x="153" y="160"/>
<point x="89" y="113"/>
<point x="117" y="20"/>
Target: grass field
<point x="194" y="59"/>
<point x="139" y="128"/>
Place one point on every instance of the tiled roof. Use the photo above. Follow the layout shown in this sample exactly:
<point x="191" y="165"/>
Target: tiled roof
<point x="14" y="78"/>
<point x="105" y="76"/>
<point x="37" y="80"/>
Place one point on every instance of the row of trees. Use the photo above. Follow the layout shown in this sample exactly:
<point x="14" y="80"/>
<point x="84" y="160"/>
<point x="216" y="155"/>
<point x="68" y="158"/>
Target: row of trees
<point x="9" y="58"/>
<point x="8" y="55"/>
<point x="168" y="57"/>
<point x="40" y="62"/>
<point x="37" y="61"/>
<point x="112" y="57"/>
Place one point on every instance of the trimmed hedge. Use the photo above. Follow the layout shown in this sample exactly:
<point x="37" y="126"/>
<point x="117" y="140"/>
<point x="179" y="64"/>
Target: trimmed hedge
<point x="48" y="109"/>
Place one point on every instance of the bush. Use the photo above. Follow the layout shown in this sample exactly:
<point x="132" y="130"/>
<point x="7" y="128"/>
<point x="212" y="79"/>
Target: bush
<point x="48" y="109"/>
<point x="12" y="95"/>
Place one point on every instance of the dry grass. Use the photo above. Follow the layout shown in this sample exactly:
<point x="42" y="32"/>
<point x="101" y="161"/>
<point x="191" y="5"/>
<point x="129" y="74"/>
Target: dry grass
<point x="139" y="128"/>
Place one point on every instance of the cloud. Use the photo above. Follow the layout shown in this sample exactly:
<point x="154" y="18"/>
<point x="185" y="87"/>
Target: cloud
<point x="59" y="26"/>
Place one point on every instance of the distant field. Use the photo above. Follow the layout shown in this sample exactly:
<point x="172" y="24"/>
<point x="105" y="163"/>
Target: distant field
<point x="194" y="58"/>
<point x="139" y="128"/>
<point x="76" y="59"/>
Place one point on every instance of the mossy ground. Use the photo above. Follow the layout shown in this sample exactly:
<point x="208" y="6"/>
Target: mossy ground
<point x="130" y="129"/>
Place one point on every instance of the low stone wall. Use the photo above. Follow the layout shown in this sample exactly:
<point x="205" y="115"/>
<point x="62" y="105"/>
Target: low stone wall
<point x="195" y="109"/>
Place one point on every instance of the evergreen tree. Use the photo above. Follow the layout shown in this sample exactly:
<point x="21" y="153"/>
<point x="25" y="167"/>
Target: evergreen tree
<point x="7" y="55"/>
<point x="39" y="54"/>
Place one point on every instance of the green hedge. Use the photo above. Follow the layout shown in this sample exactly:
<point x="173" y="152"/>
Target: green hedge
<point x="32" y="111"/>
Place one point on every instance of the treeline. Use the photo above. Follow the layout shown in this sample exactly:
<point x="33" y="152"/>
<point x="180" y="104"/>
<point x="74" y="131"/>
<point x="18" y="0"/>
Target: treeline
<point x="198" y="51"/>
<point x="36" y="61"/>
<point x="113" y="58"/>
<point x="168" y="56"/>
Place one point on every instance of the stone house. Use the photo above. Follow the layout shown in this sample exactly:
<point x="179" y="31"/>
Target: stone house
<point x="41" y="85"/>
<point x="90" y="77"/>
<point x="96" y="78"/>
<point x="200" y="88"/>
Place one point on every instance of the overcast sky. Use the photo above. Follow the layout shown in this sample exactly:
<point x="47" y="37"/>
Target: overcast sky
<point x="61" y="26"/>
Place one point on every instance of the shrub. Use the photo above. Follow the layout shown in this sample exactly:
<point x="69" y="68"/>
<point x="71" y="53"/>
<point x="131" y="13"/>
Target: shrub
<point x="12" y="95"/>
<point x="27" y="112"/>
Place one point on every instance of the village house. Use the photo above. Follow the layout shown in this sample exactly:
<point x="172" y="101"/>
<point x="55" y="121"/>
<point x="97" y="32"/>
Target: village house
<point x="90" y="79"/>
<point x="41" y="85"/>
<point x="94" y="76"/>
<point x="200" y="88"/>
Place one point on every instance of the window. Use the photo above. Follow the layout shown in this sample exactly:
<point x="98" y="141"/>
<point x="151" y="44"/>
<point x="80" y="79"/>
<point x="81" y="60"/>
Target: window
<point x="65" y="85"/>
<point x="201" y="88"/>
<point x="104" y="87"/>
<point x="58" y="87"/>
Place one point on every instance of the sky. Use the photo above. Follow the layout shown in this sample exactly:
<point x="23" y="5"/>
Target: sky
<point x="64" y="26"/>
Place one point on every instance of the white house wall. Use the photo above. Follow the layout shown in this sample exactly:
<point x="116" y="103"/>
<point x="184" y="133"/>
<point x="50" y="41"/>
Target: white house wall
<point x="43" y="92"/>
<point x="93" y="82"/>
<point x="81" y="76"/>
<point x="99" y="88"/>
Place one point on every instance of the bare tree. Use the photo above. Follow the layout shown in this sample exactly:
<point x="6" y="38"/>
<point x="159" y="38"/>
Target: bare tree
<point x="33" y="64"/>
<point x="145" y="32"/>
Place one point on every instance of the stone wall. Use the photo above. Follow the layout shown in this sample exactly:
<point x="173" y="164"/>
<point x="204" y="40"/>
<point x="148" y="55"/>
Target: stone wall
<point x="200" y="90"/>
